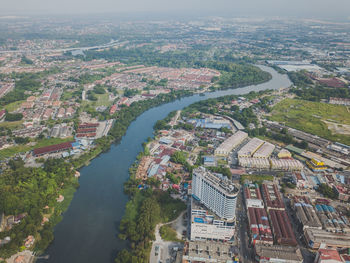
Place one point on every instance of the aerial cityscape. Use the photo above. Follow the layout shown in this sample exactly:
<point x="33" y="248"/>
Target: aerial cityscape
<point x="174" y="137"/>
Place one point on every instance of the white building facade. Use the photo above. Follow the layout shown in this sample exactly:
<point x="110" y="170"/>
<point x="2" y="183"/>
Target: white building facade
<point x="217" y="193"/>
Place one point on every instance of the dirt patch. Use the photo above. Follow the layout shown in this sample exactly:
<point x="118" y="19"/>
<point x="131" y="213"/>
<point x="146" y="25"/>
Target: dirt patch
<point x="337" y="128"/>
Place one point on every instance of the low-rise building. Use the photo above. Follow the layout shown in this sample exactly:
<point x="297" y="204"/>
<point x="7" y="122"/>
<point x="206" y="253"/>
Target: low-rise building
<point x="229" y="144"/>
<point x="275" y="253"/>
<point x="250" y="148"/>
<point x="316" y="237"/>
<point x="325" y="255"/>
<point x="205" y="225"/>
<point x="208" y="252"/>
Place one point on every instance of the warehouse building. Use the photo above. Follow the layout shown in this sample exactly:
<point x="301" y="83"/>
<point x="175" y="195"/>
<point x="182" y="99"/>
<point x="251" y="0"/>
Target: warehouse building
<point x="331" y="220"/>
<point x="316" y="237"/>
<point x="207" y="226"/>
<point x="249" y="162"/>
<point x="305" y="213"/>
<point x="277" y="253"/>
<point x="53" y="149"/>
<point x="286" y="164"/>
<point x="272" y="196"/>
<point x="216" y="192"/>
<point x="282" y="228"/>
<point x="252" y="191"/>
<point x="250" y="148"/>
<point x="229" y="144"/>
<point x="264" y="151"/>
<point x="259" y="226"/>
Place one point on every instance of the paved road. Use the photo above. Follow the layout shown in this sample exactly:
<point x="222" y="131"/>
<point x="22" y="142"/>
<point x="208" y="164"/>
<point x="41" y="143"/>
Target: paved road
<point x="246" y="253"/>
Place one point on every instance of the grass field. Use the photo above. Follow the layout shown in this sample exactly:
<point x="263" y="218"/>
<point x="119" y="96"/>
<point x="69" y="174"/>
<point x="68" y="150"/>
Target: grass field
<point x="11" y="124"/>
<point x="102" y="100"/>
<point x="256" y="178"/>
<point x="310" y="116"/>
<point x="13" y="106"/>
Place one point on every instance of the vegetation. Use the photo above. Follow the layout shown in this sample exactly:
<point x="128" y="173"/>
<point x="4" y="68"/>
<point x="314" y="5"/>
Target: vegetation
<point x="327" y="191"/>
<point x="25" y="82"/>
<point x="143" y="212"/>
<point x="257" y="179"/>
<point x="168" y="234"/>
<point x="221" y="170"/>
<point x="13" y="116"/>
<point x="181" y="158"/>
<point x="319" y="92"/>
<point x="28" y="191"/>
<point x="299" y="78"/>
<point x="312" y="117"/>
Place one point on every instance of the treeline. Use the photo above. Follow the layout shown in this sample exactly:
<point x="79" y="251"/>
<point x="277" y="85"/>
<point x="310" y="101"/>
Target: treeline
<point x="319" y="92"/>
<point x="147" y="56"/>
<point x="236" y="75"/>
<point x="299" y="78"/>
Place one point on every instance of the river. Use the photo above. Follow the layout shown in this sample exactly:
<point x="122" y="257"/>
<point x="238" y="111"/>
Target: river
<point x="89" y="229"/>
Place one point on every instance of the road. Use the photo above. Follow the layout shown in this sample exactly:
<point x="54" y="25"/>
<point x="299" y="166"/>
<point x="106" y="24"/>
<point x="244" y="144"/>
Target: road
<point x="41" y="51"/>
<point x="246" y="253"/>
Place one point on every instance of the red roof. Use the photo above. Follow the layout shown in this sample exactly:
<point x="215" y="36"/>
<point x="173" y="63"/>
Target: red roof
<point x="329" y="254"/>
<point x="52" y="148"/>
<point x="86" y="130"/>
<point x="2" y="113"/>
<point x="88" y="125"/>
<point x="282" y="228"/>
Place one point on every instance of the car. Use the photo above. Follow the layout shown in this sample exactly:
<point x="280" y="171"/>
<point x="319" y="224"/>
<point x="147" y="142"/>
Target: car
<point x="156" y="250"/>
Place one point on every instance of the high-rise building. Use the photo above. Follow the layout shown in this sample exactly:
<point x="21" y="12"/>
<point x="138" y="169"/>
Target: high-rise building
<point x="216" y="192"/>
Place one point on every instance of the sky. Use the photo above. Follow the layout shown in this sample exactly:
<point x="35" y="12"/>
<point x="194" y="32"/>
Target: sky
<point x="329" y="9"/>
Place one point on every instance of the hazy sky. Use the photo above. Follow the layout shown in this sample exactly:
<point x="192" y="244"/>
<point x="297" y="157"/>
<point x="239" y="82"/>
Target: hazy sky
<point x="305" y="8"/>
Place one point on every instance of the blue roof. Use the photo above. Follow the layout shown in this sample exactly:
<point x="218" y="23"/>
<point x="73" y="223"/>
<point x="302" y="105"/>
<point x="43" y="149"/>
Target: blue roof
<point x="75" y="144"/>
<point x="153" y="170"/>
<point x="319" y="208"/>
<point x="208" y="159"/>
<point x="341" y="178"/>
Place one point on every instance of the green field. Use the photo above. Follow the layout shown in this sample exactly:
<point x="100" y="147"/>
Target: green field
<point x="310" y="116"/>
<point x="11" y="124"/>
<point x="255" y="178"/>
<point x="102" y="100"/>
<point x="13" y="106"/>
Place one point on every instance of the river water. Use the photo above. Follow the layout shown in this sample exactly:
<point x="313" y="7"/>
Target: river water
<point x="89" y="229"/>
